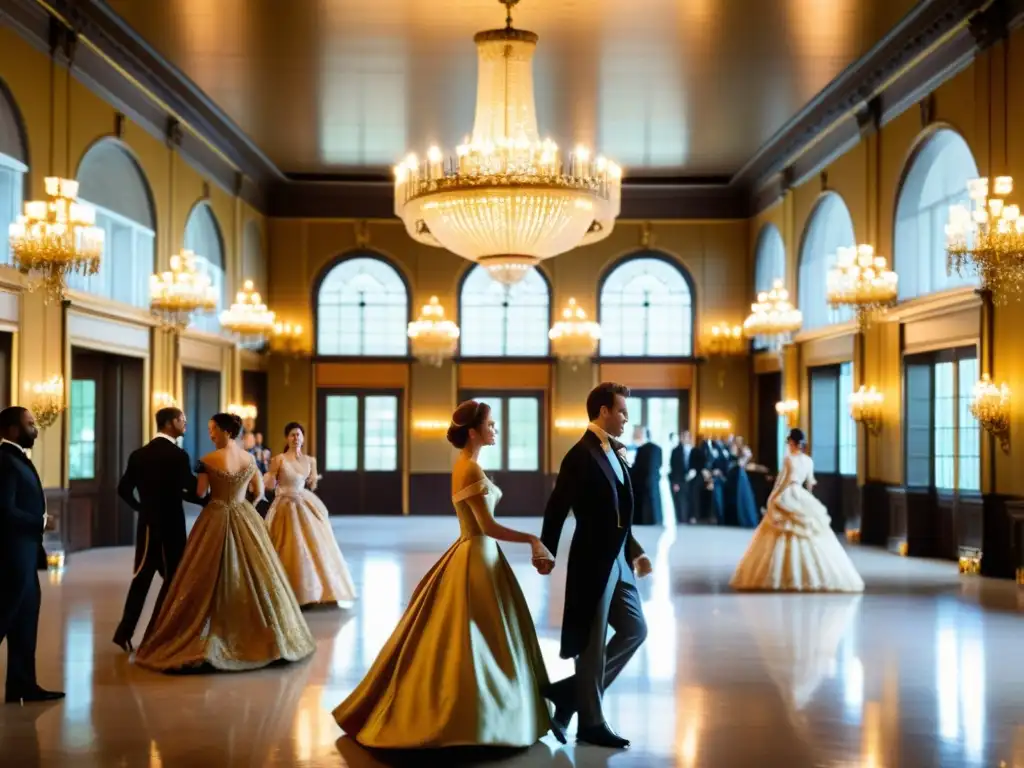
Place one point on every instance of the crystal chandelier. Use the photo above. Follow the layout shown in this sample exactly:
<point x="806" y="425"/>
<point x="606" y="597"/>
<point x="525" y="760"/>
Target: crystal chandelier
<point x="248" y="318"/>
<point x="866" y="408"/>
<point x="507" y="200"/>
<point x="57" y="237"/>
<point x="725" y="339"/>
<point x="987" y="239"/>
<point x="46" y="401"/>
<point x="990" y="405"/>
<point x="574" y="338"/>
<point x="773" y="319"/>
<point x="433" y="339"/>
<point x="861" y="280"/>
<point x="175" y="295"/>
<point x="247" y="413"/>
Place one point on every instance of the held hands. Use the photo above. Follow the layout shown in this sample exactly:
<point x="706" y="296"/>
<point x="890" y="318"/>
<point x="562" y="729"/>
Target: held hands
<point x="642" y="566"/>
<point x="543" y="560"/>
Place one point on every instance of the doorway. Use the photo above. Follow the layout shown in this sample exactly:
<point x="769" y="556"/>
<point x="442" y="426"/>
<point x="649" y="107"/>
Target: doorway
<point x="516" y="462"/>
<point x="6" y="346"/>
<point x="359" y="440"/>
<point x="105" y="417"/>
<point x="663" y="414"/>
<point x="201" y="400"/>
<point x="254" y="392"/>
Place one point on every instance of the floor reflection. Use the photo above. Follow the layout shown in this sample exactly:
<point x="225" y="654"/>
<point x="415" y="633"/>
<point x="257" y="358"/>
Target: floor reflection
<point x="916" y="672"/>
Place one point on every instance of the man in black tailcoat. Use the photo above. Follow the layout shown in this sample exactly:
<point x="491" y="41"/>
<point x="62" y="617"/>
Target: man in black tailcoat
<point x="678" y="467"/>
<point x="160" y="472"/>
<point x="22" y="520"/>
<point x="600" y="588"/>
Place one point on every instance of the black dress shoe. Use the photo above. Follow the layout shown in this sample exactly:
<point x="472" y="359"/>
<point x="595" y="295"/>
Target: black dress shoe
<point x="124" y="645"/>
<point x="35" y="695"/>
<point x="601" y="736"/>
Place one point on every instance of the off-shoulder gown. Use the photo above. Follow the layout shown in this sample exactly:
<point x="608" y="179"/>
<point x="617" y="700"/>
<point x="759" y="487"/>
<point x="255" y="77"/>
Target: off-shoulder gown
<point x="229" y="605"/>
<point x="463" y="666"/>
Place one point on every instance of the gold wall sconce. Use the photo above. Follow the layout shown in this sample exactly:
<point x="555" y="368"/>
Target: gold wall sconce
<point x="431" y="425"/>
<point x="571" y="425"/>
<point x="990" y="405"/>
<point x="789" y="410"/>
<point x="866" y="408"/>
<point x="715" y="428"/>
<point x="244" y="412"/>
<point x="46" y="400"/>
<point x="724" y="339"/>
<point x="164" y="400"/>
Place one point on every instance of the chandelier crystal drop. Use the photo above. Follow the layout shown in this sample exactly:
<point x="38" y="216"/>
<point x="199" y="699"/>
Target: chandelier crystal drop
<point x="248" y="317"/>
<point x="56" y="237"/>
<point x="773" y="319"/>
<point x="986" y="238"/>
<point x="182" y="291"/>
<point x="861" y="280"/>
<point x="433" y="338"/>
<point x="574" y="338"/>
<point x="507" y="200"/>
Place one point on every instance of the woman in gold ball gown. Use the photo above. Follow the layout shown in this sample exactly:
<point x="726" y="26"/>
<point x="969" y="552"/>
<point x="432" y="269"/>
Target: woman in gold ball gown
<point x="229" y="605"/>
<point x="463" y="666"/>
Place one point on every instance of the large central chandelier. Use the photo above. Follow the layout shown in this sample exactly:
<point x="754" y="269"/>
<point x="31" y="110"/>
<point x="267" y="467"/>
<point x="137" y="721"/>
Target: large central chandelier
<point x="57" y="237"/>
<point x="248" y="318"/>
<point x="861" y="280"/>
<point x="432" y="337"/>
<point x="574" y="338"/>
<point x="182" y="291"/>
<point x="987" y="239"/>
<point x="773" y="319"/>
<point x="507" y="200"/>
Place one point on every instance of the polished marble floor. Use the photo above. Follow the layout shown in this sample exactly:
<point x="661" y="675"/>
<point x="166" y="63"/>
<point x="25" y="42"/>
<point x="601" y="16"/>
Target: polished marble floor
<point x="924" y="669"/>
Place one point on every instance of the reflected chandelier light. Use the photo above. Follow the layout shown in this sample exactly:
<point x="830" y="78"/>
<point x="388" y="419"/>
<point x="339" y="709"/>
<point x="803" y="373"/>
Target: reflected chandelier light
<point x="56" y="237"/>
<point x="433" y="339"/>
<point x="507" y="201"/>
<point x="574" y="338"/>
<point x="175" y="295"/>
<point x="987" y="239"/>
<point x="248" y="317"/>
<point x="861" y="280"/>
<point x="773" y="319"/>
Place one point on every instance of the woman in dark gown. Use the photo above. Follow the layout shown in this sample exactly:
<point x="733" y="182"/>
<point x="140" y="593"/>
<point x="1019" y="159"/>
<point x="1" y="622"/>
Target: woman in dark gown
<point x="740" y="505"/>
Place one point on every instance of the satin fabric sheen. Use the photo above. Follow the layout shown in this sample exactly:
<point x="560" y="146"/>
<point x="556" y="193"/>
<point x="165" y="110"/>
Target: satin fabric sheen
<point x="463" y="667"/>
<point x="229" y="604"/>
<point x="300" y="530"/>
<point x="794" y="547"/>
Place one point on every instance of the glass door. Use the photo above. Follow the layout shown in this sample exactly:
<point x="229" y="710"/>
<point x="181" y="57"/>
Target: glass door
<point x="515" y="463"/>
<point x="359" y="449"/>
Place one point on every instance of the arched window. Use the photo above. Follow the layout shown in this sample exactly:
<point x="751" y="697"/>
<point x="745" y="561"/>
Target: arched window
<point x="111" y="181"/>
<point x="254" y="260"/>
<point x="362" y="308"/>
<point x="203" y="238"/>
<point x="936" y="179"/>
<point x="13" y="167"/>
<point x="770" y="259"/>
<point x="496" y="322"/>
<point x="828" y="229"/>
<point x="646" y="309"/>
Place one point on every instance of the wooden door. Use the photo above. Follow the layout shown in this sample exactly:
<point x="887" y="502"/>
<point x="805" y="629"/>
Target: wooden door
<point x="516" y="463"/>
<point x="201" y="401"/>
<point x="359" y="451"/>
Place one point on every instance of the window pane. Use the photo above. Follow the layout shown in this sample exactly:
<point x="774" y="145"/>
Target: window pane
<point x="646" y="310"/>
<point x="362" y="309"/>
<point x="523" y="434"/>
<point x="944" y="415"/>
<point x="919" y="425"/>
<point x="847" y="426"/>
<point x="969" y="432"/>
<point x="829" y="228"/>
<point x="500" y="321"/>
<point x="82" y="444"/>
<point x="380" y="446"/>
<point x="824" y="419"/>
<point x="490" y="457"/>
<point x="342" y="433"/>
<point x="781" y="433"/>
<point x="11" y="186"/>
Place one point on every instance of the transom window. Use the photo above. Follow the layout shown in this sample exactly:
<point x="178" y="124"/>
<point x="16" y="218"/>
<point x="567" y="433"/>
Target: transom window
<point x="936" y="180"/>
<point x="828" y="229"/>
<point x="203" y="238"/>
<point x="500" y="321"/>
<point x="646" y="309"/>
<point x="362" y="308"/>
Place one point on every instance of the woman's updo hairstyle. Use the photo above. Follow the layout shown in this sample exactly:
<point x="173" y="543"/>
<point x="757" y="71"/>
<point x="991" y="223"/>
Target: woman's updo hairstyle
<point x="228" y="422"/>
<point x="469" y="415"/>
<point x="288" y="430"/>
<point x="797" y="437"/>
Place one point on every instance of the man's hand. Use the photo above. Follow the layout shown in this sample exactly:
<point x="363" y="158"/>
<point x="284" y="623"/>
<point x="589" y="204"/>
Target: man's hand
<point x="543" y="565"/>
<point x="642" y="566"/>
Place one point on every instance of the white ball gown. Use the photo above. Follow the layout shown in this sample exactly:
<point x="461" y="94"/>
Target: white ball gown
<point x="794" y="547"/>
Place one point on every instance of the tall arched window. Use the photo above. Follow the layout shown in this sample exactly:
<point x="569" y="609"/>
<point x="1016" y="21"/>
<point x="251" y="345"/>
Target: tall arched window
<point x="13" y="167"/>
<point x="113" y="183"/>
<point x="647" y="309"/>
<point x="828" y="229"/>
<point x="362" y="308"/>
<point x="254" y="260"/>
<point x="770" y="259"/>
<point x="936" y="179"/>
<point x="203" y="238"/>
<point x="500" y="322"/>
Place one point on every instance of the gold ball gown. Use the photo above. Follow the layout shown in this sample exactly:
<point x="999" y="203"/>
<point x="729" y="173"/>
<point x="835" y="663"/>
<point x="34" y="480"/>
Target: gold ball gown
<point x="463" y="667"/>
<point x="229" y="605"/>
<point x="300" y="530"/>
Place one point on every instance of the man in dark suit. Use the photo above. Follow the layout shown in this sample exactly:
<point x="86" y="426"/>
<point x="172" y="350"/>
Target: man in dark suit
<point x="645" y="475"/>
<point x="22" y="520"/>
<point x="678" y="466"/>
<point x="161" y="474"/>
<point x="600" y="589"/>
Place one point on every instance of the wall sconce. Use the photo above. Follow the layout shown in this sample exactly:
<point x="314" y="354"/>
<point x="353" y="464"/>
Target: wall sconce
<point x="46" y="400"/>
<point x="725" y="339"/>
<point x="571" y="425"/>
<point x="164" y="400"/>
<point x="715" y="427"/>
<point x="244" y="412"/>
<point x="990" y="405"/>
<point x="866" y="408"/>
<point x="789" y="410"/>
<point x="431" y="425"/>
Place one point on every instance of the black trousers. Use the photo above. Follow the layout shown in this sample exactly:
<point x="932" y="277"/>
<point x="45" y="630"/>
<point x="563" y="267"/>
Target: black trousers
<point x="155" y="552"/>
<point x="19" y="612"/>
